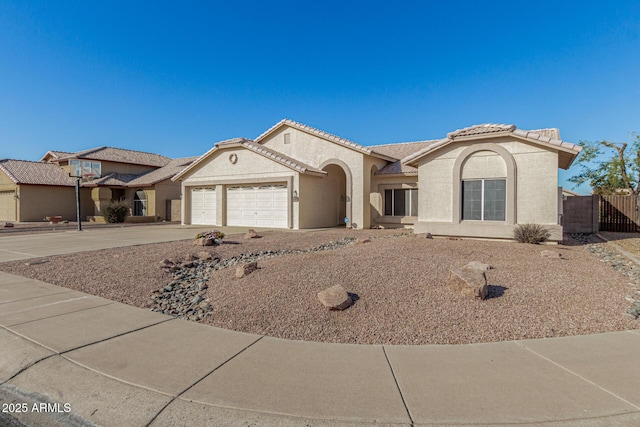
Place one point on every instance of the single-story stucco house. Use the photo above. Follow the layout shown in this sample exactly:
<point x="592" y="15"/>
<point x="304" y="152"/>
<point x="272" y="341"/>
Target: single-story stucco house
<point x="476" y="182"/>
<point x="31" y="191"/>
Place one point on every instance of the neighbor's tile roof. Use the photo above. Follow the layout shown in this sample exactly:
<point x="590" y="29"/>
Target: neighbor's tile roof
<point x="119" y="155"/>
<point x="174" y="167"/>
<point x="37" y="173"/>
<point x="322" y="134"/>
<point x="113" y="179"/>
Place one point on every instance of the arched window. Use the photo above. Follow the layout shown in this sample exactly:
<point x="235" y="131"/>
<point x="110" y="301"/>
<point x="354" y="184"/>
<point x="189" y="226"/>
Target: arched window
<point x="140" y="203"/>
<point x="485" y="189"/>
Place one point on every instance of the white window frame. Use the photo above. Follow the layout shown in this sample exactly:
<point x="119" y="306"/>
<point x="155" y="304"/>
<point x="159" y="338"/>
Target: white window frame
<point x="482" y="199"/>
<point x="393" y="199"/>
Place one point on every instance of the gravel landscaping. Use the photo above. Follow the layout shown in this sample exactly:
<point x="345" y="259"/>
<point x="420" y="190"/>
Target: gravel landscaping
<point x="398" y="282"/>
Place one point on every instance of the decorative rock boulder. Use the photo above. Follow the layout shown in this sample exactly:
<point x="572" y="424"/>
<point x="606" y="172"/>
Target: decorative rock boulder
<point x="251" y="234"/>
<point x="335" y="298"/>
<point x="469" y="281"/>
<point x="361" y="241"/>
<point x="203" y="241"/>
<point x="247" y="268"/>
<point x="205" y="255"/>
<point x="550" y="254"/>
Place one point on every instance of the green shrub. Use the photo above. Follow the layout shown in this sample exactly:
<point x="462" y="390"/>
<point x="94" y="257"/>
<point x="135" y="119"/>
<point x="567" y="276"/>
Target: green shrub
<point x="115" y="211"/>
<point x="530" y="233"/>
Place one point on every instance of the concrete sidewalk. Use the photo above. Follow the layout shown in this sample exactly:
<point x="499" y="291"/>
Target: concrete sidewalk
<point x="117" y="365"/>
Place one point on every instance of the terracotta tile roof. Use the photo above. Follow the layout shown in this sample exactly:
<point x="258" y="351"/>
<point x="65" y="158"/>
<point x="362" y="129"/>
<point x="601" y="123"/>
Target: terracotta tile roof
<point x="567" y="152"/>
<point x="480" y="129"/>
<point x="553" y="133"/>
<point x="399" y="150"/>
<point x="281" y="158"/>
<point x="37" y="173"/>
<point x="322" y="134"/>
<point x="174" y="167"/>
<point x="119" y="155"/>
<point x="396" y="168"/>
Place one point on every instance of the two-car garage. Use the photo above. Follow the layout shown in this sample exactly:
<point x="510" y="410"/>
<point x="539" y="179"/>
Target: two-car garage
<point x="246" y="205"/>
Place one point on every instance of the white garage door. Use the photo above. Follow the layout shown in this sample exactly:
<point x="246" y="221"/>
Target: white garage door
<point x="7" y="206"/>
<point x="260" y="206"/>
<point x="203" y="206"/>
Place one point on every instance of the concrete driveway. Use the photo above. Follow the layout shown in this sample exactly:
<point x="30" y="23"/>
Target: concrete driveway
<point x="16" y="246"/>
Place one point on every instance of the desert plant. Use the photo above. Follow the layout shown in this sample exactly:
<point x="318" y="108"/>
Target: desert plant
<point x="211" y="235"/>
<point x="115" y="211"/>
<point x="530" y="233"/>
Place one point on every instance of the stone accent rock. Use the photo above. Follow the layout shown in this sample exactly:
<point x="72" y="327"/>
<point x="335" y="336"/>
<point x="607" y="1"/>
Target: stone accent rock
<point x="361" y="241"/>
<point x="205" y="255"/>
<point x="429" y="236"/>
<point x="8" y="224"/>
<point x="335" y="298"/>
<point x="245" y="269"/>
<point x="203" y="242"/>
<point x="470" y="282"/>
<point x="477" y="265"/>
<point x="251" y="234"/>
<point x="166" y="263"/>
<point x="190" y="279"/>
<point x="550" y="254"/>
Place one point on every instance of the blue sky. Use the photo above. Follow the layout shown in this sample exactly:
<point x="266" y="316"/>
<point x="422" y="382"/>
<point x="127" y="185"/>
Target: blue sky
<point x="176" y="77"/>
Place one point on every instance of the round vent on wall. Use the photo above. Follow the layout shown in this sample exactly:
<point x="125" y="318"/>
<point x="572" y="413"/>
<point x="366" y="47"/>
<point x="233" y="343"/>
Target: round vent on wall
<point x="233" y="158"/>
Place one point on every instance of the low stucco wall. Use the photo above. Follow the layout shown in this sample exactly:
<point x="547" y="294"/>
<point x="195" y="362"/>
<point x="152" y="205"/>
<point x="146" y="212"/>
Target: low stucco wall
<point x="581" y="214"/>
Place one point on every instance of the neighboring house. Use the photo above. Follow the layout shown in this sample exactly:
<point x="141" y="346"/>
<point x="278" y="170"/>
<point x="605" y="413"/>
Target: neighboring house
<point x="476" y="182"/>
<point x="568" y="193"/>
<point x="29" y="191"/>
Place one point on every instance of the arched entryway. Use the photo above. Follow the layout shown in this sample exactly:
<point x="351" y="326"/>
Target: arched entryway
<point x="337" y="193"/>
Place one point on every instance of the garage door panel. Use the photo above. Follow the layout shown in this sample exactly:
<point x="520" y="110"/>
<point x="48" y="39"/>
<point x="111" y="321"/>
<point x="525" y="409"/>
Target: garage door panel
<point x="7" y="206"/>
<point x="203" y="206"/>
<point x="264" y="206"/>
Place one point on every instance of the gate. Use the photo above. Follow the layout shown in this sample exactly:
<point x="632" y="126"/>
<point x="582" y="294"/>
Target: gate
<point x="619" y="213"/>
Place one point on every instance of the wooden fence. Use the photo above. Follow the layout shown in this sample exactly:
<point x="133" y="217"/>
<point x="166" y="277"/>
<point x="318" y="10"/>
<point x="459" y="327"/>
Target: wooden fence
<point x="619" y="213"/>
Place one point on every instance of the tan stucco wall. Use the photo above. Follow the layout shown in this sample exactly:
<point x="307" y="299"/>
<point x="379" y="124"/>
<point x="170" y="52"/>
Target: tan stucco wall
<point x="535" y="191"/>
<point x="108" y="167"/>
<point x="318" y="152"/>
<point x="9" y="191"/>
<point x="165" y="190"/>
<point x="150" y="192"/>
<point x="322" y="200"/>
<point x="381" y="183"/>
<point x="37" y="201"/>
<point x="218" y="172"/>
<point x="5" y="183"/>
